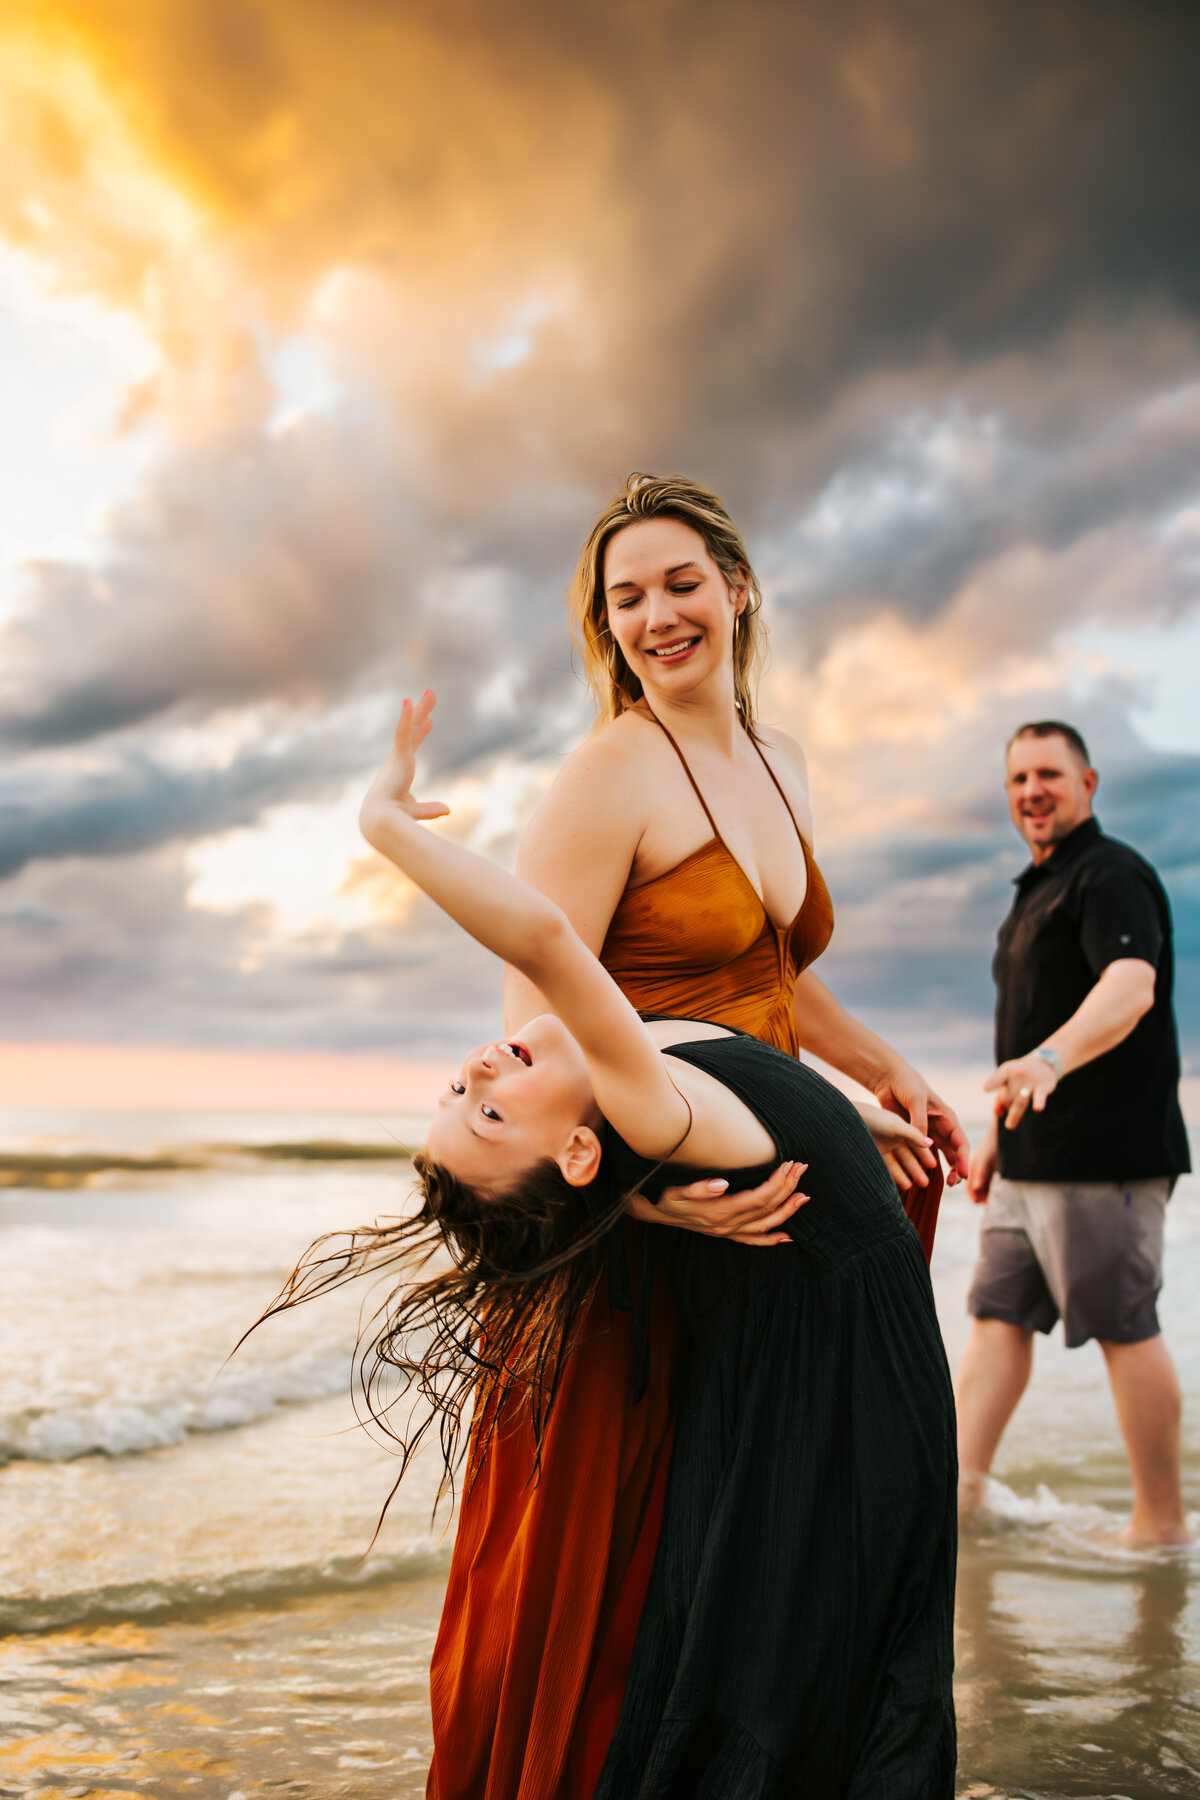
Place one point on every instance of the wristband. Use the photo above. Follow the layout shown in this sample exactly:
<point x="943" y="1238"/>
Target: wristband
<point x="1052" y="1057"/>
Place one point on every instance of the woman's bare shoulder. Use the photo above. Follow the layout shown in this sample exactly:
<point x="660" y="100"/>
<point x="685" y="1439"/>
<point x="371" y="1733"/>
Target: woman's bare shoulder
<point x="783" y="747"/>
<point x="601" y="787"/>
<point x="610" y="759"/>
<point x="790" y="765"/>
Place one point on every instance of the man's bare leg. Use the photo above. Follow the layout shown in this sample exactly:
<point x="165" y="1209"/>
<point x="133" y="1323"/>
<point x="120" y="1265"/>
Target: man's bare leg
<point x="1146" y="1394"/>
<point x="993" y="1375"/>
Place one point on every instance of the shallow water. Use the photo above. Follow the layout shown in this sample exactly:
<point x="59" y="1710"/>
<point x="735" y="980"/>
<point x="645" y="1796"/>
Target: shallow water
<point x="181" y="1577"/>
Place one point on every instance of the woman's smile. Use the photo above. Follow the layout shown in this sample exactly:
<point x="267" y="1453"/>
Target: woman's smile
<point x="676" y="651"/>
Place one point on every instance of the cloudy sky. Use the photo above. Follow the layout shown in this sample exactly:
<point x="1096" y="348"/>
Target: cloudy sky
<point x="326" y="328"/>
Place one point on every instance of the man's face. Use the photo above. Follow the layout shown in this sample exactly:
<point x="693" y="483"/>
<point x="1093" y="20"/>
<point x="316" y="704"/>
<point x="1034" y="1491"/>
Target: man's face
<point x="1049" y="790"/>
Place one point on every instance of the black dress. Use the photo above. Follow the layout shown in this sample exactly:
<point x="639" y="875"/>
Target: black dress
<point x="797" y="1633"/>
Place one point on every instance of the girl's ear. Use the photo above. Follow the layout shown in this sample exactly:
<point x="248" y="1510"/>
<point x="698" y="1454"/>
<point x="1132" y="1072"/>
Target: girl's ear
<point x="579" y="1159"/>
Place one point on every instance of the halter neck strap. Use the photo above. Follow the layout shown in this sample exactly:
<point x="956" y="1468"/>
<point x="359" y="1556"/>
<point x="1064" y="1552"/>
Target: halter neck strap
<point x="695" y="784"/>
<point x="704" y="803"/>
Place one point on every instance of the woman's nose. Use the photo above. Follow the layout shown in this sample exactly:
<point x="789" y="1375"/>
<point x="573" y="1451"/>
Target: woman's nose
<point x="662" y="609"/>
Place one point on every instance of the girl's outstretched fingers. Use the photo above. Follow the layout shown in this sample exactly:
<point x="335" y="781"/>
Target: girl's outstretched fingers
<point x="391" y="790"/>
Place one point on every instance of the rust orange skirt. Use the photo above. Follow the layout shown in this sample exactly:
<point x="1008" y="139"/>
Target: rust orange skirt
<point x="549" y="1575"/>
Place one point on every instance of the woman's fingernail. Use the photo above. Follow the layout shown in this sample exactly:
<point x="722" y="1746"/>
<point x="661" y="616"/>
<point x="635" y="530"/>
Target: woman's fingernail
<point x="929" y="1143"/>
<point x="717" y="1187"/>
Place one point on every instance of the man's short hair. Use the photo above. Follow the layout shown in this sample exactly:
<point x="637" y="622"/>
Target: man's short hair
<point x="1042" y="728"/>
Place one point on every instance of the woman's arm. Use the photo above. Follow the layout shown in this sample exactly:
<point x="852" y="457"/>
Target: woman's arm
<point x="827" y="1030"/>
<point x="632" y="1086"/>
<point x="578" y="849"/>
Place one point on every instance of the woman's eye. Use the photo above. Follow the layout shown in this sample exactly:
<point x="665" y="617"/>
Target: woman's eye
<point x="489" y="1112"/>
<point x="457" y="1087"/>
<point x="688" y="588"/>
<point x="624" y="605"/>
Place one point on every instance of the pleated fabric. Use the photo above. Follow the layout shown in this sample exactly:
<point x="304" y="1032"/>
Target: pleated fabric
<point x="796" y="1638"/>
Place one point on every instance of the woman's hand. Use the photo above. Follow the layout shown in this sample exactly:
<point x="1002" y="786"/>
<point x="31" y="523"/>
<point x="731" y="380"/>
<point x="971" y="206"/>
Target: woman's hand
<point x="908" y="1153"/>
<point x="391" y="790"/>
<point x="901" y="1090"/>
<point x="753" y="1216"/>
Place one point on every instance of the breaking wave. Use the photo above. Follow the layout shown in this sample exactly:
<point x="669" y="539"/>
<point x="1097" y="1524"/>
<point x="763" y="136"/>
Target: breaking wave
<point x="123" y="1425"/>
<point x="158" y="1601"/>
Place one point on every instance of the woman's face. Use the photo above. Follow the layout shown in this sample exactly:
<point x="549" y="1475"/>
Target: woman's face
<point x="513" y="1103"/>
<point x="669" y="607"/>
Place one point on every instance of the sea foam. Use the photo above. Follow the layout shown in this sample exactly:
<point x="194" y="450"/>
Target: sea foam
<point x="124" y="1424"/>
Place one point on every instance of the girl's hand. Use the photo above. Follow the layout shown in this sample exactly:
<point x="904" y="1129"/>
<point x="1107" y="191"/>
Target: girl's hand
<point x="391" y="790"/>
<point x="754" y="1216"/>
<point x="908" y="1153"/>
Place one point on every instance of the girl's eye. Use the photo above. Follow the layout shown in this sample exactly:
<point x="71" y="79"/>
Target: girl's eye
<point x="688" y="588"/>
<point x="624" y="605"/>
<point x="489" y="1112"/>
<point x="457" y="1087"/>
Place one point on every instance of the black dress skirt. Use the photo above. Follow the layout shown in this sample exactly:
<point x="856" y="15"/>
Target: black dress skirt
<point x="797" y="1633"/>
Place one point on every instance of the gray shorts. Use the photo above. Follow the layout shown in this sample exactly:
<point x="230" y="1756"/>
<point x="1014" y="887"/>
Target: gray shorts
<point x="1088" y="1252"/>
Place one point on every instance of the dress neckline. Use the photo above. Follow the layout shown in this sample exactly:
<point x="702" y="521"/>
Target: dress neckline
<point x="780" y="931"/>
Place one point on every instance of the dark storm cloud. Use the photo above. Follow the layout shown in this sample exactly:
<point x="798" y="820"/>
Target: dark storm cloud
<point x="138" y="801"/>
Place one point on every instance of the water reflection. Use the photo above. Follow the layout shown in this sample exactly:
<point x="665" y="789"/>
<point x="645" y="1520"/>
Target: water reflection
<point x="1077" y="1675"/>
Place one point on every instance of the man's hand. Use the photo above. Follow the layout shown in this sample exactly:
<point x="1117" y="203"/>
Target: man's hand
<point x="902" y="1090"/>
<point x="983" y="1166"/>
<point x="753" y="1216"/>
<point x="1024" y="1081"/>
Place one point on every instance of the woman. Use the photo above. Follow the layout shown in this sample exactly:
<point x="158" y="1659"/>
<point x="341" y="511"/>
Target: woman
<point x="797" y="1634"/>
<point x="676" y="840"/>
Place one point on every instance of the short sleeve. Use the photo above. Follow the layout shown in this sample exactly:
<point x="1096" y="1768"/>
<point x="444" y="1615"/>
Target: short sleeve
<point x="1120" y="917"/>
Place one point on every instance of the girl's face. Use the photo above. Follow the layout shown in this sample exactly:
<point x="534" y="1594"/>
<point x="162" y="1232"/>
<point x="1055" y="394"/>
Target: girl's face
<point x="513" y="1103"/>
<point x="669" y="607"/>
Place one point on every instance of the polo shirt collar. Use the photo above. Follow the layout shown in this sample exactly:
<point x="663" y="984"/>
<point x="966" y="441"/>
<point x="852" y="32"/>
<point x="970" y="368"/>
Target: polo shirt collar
<point x="1073" y="845"/>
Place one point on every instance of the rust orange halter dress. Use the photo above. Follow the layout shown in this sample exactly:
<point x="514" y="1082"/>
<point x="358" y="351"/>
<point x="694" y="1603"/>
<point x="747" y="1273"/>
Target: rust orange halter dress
<point x="548" y="1576"/>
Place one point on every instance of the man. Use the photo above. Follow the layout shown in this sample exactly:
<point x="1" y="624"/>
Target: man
<point x="1077" y="1181"/>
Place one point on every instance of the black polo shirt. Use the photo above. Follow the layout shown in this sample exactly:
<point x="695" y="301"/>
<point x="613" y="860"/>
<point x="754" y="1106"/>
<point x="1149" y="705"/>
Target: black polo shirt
<point x="1117" y="1118"/>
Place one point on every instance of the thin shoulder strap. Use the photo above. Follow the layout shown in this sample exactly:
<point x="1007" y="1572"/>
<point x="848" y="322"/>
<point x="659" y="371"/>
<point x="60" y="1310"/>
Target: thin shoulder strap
<point x="778" y="789"/>
<point x="688" y="773"/>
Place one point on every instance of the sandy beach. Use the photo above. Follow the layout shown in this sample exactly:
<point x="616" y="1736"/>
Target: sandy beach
<point x="183" y="1594"/>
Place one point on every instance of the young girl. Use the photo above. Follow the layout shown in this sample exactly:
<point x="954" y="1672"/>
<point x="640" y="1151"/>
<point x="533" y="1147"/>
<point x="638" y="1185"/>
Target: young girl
<point x="797" y="1631"/>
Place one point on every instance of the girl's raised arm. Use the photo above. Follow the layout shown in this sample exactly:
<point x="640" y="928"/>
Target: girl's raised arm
<point x="515" y="922"/>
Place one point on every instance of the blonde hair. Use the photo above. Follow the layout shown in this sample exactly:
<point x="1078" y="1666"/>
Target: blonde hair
<point x="613" y="686"/>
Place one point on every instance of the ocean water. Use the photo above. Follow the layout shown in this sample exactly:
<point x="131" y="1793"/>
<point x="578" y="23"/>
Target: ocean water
<point x="186" y="1602"/>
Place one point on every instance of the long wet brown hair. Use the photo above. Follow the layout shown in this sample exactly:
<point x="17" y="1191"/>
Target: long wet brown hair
<point x="488" y="1337"/>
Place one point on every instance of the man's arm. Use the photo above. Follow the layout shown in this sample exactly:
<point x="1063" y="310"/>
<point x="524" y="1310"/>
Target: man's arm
<point x="1104" y="1019"/>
